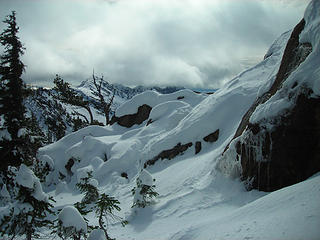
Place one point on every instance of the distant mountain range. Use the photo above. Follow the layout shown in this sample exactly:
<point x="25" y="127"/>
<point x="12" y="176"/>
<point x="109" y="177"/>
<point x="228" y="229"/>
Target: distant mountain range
<point x="122" y="91"/>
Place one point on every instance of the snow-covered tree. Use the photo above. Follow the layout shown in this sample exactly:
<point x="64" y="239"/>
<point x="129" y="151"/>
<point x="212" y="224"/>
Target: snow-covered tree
<point x="88" y="186"/>
<point x="29" y="212"/>
<point x="20" y="135"/>
<point x="71" y="224"/>
<point x="144" y="192"/>
<point x="12" y="90"/>
<point x="104" y="208"/>
<point x="103" y="204"/>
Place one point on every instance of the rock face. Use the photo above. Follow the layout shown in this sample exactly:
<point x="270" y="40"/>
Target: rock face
<point x="169" y="154"/>
<point x="287" y="154"/>
<point x="294" y="54"/>
<point x="197" y="147"/>
<point x="282" y="150"/>
<point x="132" y="119"/>
<point x="212" y="137"/>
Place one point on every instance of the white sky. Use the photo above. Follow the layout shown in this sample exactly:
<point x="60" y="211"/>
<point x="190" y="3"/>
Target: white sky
<point x="191" y="43"/>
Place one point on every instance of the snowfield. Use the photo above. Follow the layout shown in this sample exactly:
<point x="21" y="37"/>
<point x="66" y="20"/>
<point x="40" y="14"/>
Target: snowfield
<point x="200" y="196"/>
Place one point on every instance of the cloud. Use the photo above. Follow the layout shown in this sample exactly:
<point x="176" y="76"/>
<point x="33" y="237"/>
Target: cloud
<point x="197" y="43"/>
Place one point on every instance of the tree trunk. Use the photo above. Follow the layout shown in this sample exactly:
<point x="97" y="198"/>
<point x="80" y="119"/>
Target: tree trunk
<point x="29" y="236"/>
<point x="90" y="113"/>
<point x="101" y="225"/>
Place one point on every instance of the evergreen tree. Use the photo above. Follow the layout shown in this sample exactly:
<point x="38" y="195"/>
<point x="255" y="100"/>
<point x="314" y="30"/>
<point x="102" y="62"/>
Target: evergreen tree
<point x="103" y="204"/>
<point x="104" y="208"/>
<point x="144" y="192"/>
<point x="88" y="186"/>
<point x="31" y="209"/>
<point x="20" y="138"/>
<point x="12" y="88"/>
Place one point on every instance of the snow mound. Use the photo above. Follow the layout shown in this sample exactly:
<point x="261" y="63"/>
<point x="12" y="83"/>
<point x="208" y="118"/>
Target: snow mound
<point x="97" y="234"/>
<point x="154" y="98"/>
<point x="70" y="217"/>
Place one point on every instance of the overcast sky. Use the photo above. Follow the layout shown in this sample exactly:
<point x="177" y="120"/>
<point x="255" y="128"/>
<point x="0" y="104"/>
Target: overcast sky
<point x="191" y="43"/>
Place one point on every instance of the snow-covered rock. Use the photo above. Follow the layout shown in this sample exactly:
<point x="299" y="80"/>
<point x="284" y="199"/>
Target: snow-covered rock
<point x="70" y="217"/>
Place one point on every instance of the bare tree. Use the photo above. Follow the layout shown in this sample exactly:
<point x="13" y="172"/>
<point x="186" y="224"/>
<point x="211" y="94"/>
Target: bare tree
<point x="104" y="105"/>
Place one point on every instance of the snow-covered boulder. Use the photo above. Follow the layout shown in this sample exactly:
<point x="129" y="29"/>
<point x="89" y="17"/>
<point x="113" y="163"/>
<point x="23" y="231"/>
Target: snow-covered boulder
<point x="137" y="110"/>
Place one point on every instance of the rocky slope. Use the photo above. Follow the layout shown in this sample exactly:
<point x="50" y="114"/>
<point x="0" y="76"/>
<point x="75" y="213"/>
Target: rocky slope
<point x="277" y="141"/>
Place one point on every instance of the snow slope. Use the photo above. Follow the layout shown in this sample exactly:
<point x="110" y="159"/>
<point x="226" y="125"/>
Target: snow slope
<point x="200" y="196"/>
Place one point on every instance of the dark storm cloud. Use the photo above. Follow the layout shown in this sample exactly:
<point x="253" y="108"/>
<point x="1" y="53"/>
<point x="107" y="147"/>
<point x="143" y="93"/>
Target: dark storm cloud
<point x="191" y="43"/>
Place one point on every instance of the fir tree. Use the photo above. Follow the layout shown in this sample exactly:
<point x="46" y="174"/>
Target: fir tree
<point x="103" y="204"/>
<point x="20" y="137"/>
<point x="30" y="211"/>
<point x="104" y="208"/>
<point x="12" y="91"/>
<point x="88" y="187"/>
<point x="144" y="192"/>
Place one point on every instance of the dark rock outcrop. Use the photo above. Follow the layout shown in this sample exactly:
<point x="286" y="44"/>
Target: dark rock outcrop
<point x="169" y="154"/>
<point x="124" y="175"/>
<point x="132" y="119"/>
<point x="289" y="151"/>
<point x="287" y="154"/>
<point x="197" y="147"/>
<point x="212" y="137"/>
<point x="69" y="165"/>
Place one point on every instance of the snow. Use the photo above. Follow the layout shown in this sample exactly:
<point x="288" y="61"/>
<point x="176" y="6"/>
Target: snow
<point x="93" y="182"/>
<point x="45" y="159"/>
<point x="70" y="217"/>
<point x="97" y="234"/>
<point x="4" y="192"/>
<point x="22" y="132"/>
<point x="273" y="109"/>
<point x="61" y="187"/>
<point x="4" y="134"/>
<point x="145" y="178"/>
<point x="155" y="98"/>
<point x="26" y="178"/>
<point x="200" y="196"/>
